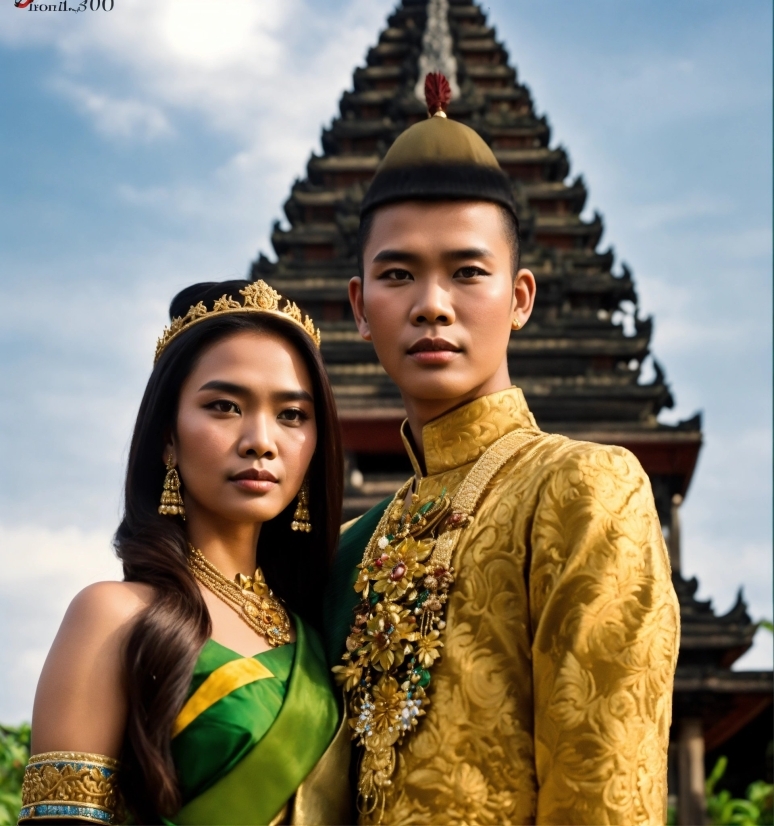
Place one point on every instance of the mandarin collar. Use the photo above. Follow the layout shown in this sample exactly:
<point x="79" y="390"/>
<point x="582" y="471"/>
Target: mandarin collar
<point x="462" y="435"/>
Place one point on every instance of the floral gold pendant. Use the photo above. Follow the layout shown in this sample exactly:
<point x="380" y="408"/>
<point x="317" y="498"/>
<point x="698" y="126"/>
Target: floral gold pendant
<point x="395" y="639"/>
<point x="403" y="583"/>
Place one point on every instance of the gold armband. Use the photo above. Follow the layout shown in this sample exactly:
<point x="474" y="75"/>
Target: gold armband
<point x="70" y="785"/>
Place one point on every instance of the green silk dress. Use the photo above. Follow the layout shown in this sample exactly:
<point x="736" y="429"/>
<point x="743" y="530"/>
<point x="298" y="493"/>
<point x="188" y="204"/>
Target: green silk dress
<point x="258" y="740"/>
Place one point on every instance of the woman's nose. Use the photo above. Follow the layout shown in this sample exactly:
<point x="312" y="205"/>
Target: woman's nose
<point x="257" y="439"/>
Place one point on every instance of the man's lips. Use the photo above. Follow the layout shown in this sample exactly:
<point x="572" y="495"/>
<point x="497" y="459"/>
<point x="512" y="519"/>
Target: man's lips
<point x="255" y="481"/>
<point x="433" y="351"/>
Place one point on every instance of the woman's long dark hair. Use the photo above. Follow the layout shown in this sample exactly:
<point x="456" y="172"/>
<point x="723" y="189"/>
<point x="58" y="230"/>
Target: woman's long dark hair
<point x="166" y="640"/>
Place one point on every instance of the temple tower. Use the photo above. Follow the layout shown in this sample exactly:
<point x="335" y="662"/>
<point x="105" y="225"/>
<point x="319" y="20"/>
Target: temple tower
<point x="579" y="359"/>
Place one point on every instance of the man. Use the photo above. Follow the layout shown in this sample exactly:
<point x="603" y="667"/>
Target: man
<point x="506" y="626"/>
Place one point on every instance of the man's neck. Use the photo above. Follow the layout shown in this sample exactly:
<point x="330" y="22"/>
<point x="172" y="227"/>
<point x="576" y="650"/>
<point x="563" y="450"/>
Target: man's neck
<point x="421" y="411"/>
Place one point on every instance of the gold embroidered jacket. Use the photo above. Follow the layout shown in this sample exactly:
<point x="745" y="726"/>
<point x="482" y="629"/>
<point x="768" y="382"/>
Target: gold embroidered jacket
<point x="552" y="700"/>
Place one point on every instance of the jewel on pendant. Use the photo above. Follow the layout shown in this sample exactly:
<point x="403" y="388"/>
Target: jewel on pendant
<point x="397" y="572"/>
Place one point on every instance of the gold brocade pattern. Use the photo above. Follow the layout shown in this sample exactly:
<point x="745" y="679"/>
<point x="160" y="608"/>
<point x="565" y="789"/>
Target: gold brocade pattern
<point x="462" y="436"/>
<point x="395" y="639"/>
<point x="552" y="700"/>
<point x="72" y="785"/>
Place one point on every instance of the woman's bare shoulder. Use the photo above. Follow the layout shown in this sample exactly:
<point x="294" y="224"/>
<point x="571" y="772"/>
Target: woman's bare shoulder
<point x="80" y="703"/>
<point x="106" y="606"/>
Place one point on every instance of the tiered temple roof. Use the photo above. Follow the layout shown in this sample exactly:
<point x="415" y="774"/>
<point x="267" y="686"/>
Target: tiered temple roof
<point x="579" y="359"/>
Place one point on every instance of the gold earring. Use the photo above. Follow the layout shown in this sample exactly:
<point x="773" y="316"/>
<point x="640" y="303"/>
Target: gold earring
<point x="171" y="500"/>
<point x="301" y="516"/>
<point x="516" y="324"/>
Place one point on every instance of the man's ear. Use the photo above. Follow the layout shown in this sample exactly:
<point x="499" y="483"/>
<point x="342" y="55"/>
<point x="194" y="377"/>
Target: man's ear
<point x="524" y="289"/>
<point x="358" y="309"/>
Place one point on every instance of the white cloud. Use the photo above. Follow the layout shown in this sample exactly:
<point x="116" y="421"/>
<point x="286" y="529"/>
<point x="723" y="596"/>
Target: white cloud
<point x="243" y="65"/>
<point x="41" y="571"/>
<point x="212" y="36"/>
<point x="265" y="75"/>
<point x="760" y="657"/>
<point x="72" y="556"/>
<point x="129" y="119"/>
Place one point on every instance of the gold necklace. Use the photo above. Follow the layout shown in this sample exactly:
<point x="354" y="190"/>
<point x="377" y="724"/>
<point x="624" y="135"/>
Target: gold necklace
<point x="249" y="596"/>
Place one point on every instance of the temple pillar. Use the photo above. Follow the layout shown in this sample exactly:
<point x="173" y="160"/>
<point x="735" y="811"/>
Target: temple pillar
<point x="674" y="533"/>
<point x="691" y="800"/>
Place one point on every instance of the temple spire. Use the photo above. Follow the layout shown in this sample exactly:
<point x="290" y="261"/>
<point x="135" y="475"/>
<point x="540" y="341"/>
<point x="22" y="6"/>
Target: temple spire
<point x="437" y="49"/>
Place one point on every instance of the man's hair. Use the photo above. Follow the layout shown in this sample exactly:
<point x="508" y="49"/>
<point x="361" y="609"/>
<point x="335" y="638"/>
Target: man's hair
<point x="510" y="225"/>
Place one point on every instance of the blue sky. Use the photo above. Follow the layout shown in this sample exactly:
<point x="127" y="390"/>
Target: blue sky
<point x="152" y="146"/>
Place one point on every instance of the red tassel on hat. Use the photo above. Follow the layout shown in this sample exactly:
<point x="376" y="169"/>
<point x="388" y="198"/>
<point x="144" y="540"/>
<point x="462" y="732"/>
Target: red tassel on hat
<point x="437" y="93"/>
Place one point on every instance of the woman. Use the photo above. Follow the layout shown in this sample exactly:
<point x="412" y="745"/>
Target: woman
<point x="191" y="692"/>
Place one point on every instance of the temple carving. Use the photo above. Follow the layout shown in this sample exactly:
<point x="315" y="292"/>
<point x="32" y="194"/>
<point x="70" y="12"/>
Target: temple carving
<point x="579" y="360"/>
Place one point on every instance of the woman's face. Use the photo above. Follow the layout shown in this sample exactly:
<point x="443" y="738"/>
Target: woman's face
<point x="245" y="430"/>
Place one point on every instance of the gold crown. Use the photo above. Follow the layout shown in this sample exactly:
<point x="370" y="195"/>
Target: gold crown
<point x="259" y="297"/>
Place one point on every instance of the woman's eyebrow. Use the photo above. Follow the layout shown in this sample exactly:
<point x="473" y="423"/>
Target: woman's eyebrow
<point x="292" y="396"/>
<point x="239" y="390"/>
<point x="225" y="387"/>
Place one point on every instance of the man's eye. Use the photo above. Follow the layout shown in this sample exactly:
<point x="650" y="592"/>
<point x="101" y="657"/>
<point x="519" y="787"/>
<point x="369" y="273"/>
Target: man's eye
<point x="470" y="272"/>
<point x="396" y="275"/>
<point x="293" y="415"/>
<point x="224" y="406"/>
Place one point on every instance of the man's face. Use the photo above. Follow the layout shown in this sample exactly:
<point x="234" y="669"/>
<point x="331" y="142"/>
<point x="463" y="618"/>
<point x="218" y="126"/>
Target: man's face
<point x="438" y="297"/>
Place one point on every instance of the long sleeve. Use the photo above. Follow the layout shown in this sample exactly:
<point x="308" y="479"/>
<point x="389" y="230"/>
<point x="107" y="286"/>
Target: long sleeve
<point x="605" y="623"/>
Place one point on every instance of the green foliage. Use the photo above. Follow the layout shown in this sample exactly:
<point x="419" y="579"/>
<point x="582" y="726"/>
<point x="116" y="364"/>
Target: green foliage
<point x="767" y="624"/>
<point x="723" y="810"/>
<point x="14" y="753"/>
